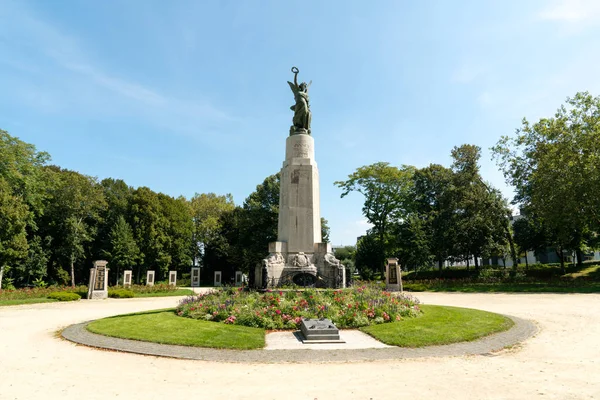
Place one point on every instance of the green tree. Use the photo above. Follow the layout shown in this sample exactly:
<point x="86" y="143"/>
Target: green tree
<point x="72" y="215"/>
<point x="554" y="165"/>
<point x="434" y="205"/>
<point x="369" y="255"/>
<point x="13" y="237"/>
<point x="413" y="247"/>
<point x="124" y="252"/>
<point x="207" y="211"/>
<point x="180" y="231"/>
<point x="118" y="197"/>
<point x="325" y="230"/>
<point x="480" y="213"/>
<point x="150" y="231"/>
<point x="36" y="264"/>
<point x="257" y="222"/>
<point x="21" y="167"/>
<point x="387" y="191"/>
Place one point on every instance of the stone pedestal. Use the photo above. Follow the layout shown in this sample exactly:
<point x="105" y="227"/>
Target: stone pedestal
<point x="98" y="287"/>
<point x="393" y="276"/>
<point x="299" y="257"/>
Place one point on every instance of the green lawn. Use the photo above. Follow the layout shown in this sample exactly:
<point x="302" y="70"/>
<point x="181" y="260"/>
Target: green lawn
<point x="439" y="325"/>
<point x="26" y="301"/>
<point x="541" y="287"/>
<point x="167" y="328"/>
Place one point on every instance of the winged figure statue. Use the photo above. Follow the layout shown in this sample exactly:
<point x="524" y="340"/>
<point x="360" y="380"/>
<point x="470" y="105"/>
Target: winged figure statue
<point x="301" y="109"/>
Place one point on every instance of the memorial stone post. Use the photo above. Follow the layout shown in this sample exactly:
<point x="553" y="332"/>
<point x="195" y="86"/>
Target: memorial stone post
<point x="173" y="278"/>
<point x="98" y="287"/>
<point x="127" y="278"/>
<point x="150" y="278"/>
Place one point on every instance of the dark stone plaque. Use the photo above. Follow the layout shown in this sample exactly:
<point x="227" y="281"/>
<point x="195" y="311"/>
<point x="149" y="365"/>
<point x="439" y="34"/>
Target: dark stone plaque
<point x="99" y="283"/>
<point x="393" y="275"/>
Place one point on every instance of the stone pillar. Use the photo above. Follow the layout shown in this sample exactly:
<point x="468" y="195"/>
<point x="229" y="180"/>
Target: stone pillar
<point x="299" y="212"/>
<point x="150" y="278"/>
<point x="393" y="276"/>
<point x="127" y="278"/>
<point x="239" y="278"/>
<point x="173" y="278"/>
<point x="218" y="278"/>
<point x="195" y="276"/>
<point x="98" y="287"/>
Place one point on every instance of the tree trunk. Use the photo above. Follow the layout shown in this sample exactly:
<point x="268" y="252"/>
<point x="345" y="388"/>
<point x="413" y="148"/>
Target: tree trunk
<point x="467" y="263"/>
<point x="440" y="265"/>
<point x="513" y="252"/>
<point x="559" y="253"/>
<point x="579" y="257"/>
<point x="1" y="273"/>
<point x="526" y="262"/>
<point x="476" y="260"/>
<point x="72" y="272"/>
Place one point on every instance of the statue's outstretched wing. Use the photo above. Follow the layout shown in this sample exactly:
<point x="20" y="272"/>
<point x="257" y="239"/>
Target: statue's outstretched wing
<point x="293" y="87"/>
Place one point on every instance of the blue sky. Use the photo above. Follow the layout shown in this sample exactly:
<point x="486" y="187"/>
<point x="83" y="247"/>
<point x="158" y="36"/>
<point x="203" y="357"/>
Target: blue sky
<point x="191" y="97"/>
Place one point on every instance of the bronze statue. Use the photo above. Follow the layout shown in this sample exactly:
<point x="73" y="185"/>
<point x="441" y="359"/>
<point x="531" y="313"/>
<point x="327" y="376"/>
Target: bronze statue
<point x="301" y="109"/>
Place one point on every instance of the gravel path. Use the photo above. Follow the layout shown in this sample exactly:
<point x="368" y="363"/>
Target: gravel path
<point x="561" y="362"/>
<point x="522" y="330"/>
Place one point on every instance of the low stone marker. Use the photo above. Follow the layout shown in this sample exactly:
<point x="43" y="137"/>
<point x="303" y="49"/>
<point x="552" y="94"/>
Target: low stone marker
<point x="127" y="277"/>
<point x="98" y="287"/>
<point x="195" y="277"/>
<point x="393" y="277"/>
<point x="320" y="331"/>
<point x="217" y="278"/>
<point x="173" y="278"/>
<point x="150" y="278"/>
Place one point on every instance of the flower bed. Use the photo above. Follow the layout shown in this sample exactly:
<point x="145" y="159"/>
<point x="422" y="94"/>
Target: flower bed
<point x="347" y="308"/>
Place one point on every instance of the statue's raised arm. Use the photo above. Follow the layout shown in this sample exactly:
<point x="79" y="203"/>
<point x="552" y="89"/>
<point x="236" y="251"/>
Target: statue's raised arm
<point x="302" y="114"/>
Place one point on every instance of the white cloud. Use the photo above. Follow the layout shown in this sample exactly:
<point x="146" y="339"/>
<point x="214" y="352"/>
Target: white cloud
<point x="572" y="11"/>
<point x="72" y="79"/>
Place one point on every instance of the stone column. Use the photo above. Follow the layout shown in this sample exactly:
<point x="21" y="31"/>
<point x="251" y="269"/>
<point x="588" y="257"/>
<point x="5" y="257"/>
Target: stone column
<point x="299" y="211"/>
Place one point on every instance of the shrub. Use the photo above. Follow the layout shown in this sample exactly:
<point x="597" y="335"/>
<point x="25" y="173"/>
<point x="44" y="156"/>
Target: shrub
<point x="64" y="296"/>
<point x="347" y="308"/>
<point x="414" y="287"/>
<point x="120" y="293"/>
<point x="158" y="288"/>
<point x="40" y="292"/>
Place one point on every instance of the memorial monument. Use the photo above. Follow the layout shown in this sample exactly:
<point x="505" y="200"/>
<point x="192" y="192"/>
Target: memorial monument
<point x="298" y="256"/>
<point x="98" y="287"/>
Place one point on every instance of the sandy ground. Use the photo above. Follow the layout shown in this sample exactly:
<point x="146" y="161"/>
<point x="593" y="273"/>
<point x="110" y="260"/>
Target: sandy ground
<point x="561" y="362"/>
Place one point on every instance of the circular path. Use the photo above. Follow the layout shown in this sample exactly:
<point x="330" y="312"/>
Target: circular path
<point x="562" y="361"/>
<point x="522" y="330"/>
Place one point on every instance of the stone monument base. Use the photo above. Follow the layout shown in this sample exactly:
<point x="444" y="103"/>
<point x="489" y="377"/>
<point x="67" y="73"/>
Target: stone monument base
<point x="318" y="269"/>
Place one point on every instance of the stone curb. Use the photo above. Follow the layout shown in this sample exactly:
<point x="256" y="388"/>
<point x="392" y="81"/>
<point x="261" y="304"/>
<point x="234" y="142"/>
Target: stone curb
<point x="522" y="330"/>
